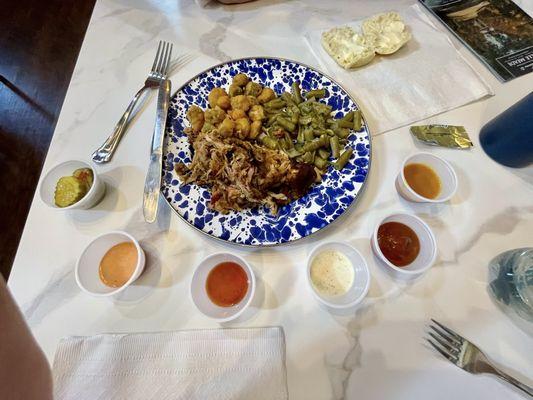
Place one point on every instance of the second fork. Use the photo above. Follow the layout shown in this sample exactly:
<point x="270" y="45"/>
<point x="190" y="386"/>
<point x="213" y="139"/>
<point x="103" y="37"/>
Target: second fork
<point x="466" y="355"/>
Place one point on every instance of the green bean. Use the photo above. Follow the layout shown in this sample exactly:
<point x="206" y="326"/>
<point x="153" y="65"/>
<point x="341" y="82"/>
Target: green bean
<point x="348" y="117"/>
<point x="275" y="103"/>
<point x="305" y="107"/>
<point x="345" y="124"/>
<point x="271" y="120"/>
<point x="300" y="138"/>
<point x="325" y="141"/>
<point x="286" y="124"/>
<point x="342" y="133"/>
<point x="295" y="117"/>
<point x="293" y="153"/>
<point x="270" y="112"/>
<point x="270" y="142"/>
<point x="320" y="163"/>
<point x="288" y="98"/>
<point x="305" y="119"/>
<point x="317" y="93"/>
<point x="296" y="92"/>
<point x="357" y="123"/>
<point x="322" y="109"/>
<point x="284" y="144"/>
<point x="288" y="143"/>
<point x="343" y="159"/>
<point x="308" y="157"/>
<point x="288" y="139"/>
<point x="316" y="144"/>
<point x="308" y="135"/>
<point x="268" y="131"/>
<point x="335" y="146"/>
<point x="324" y="153"/>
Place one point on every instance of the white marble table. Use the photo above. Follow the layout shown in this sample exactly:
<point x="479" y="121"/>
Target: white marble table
<point x="377" y="353"/>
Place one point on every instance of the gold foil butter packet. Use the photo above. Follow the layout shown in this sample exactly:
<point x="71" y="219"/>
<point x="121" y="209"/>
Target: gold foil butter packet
<point x="443" y="135"/>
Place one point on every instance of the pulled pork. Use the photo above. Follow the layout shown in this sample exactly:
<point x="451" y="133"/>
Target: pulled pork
<point x="243" y="174"/>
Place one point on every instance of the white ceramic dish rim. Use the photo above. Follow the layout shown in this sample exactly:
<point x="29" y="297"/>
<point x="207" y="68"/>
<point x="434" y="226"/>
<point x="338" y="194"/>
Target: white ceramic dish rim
<point x="129" y="282"/>
<point x="91" y="189"/>
<point x="415" y="194"/>
<point x="391" y="265"/>
<point x="251" y="287"/>
<point x="322" y="299"/>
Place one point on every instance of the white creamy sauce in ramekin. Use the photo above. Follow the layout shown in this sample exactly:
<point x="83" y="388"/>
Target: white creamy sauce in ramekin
<point x="332" y="273"/>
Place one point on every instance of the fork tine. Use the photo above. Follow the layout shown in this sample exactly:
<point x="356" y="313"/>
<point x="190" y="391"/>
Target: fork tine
<point x="168" y="58"/>
<point x="444" y="353"/>
<point x="449" y="347"/>
<point x="445" y="335"/>
<point x="156" y="56"/>
<point x="450" y="332"/>
<point x="161" y="59"/>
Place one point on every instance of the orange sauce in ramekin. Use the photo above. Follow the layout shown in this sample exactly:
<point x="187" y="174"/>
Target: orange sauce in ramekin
<point x="118" y="264"/>
<point x="227" y="284"/>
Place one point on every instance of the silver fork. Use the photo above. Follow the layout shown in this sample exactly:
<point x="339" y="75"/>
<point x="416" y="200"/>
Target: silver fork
<point x="467" y="355"/>
<point x="159" y="72"/>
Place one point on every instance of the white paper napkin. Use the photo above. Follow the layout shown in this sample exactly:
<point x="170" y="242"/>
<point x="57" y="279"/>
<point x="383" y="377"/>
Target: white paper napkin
<point x="425" y="77"/>
<point x="197" y="364"/>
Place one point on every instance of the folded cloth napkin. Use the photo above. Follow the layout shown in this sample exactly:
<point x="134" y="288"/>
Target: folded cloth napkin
<point x="425" y="77"/>
<point x="197" y="364"/>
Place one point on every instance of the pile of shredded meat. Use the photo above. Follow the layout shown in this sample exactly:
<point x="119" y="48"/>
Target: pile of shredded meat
<point x="243" y="174"/>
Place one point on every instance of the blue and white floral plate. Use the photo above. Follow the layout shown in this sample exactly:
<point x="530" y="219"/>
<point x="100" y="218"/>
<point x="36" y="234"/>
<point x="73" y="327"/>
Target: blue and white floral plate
<point x="324" y="202"/>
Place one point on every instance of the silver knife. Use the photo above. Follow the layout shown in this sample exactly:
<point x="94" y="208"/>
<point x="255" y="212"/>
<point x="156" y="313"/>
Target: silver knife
<point x="152" y="184"/>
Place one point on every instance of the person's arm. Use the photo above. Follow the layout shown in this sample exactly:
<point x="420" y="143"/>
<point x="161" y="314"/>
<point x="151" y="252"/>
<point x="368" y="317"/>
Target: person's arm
<point x="24" y="370"/>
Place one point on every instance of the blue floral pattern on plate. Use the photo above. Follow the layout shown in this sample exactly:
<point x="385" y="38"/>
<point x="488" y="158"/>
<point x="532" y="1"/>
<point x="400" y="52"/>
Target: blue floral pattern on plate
<point x="324" y="202"/>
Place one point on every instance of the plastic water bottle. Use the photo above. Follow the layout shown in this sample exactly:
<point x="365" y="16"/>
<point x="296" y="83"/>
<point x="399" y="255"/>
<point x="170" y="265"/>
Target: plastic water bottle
<point x="511" y="281"/>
